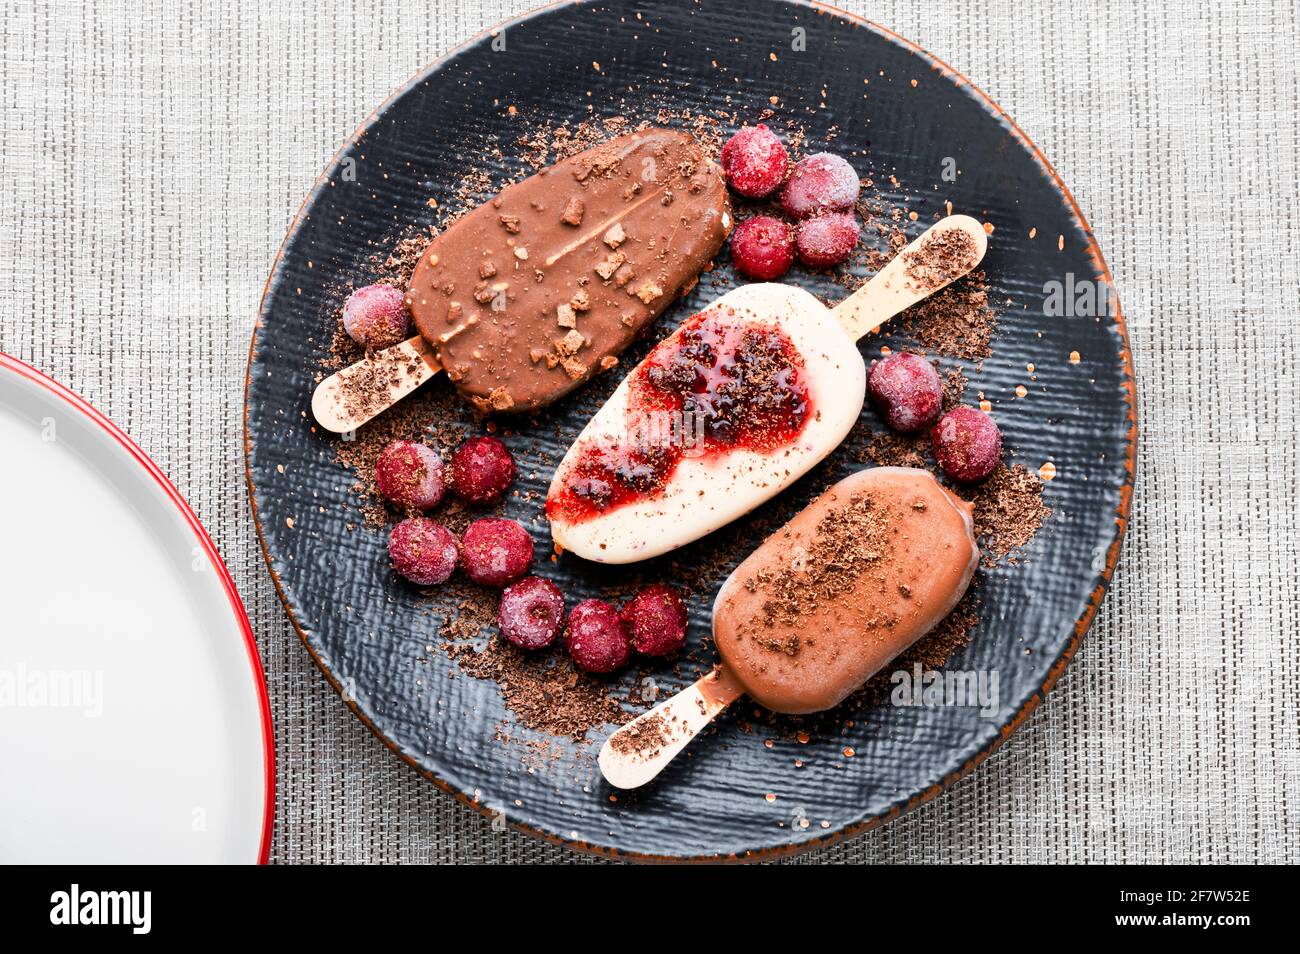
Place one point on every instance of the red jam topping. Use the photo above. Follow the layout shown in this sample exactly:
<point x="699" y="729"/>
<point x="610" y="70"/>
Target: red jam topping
<point x="718" y="385"/>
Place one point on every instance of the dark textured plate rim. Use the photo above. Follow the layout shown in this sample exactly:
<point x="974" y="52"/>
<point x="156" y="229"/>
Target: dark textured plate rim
<point x="1081" y="626"/>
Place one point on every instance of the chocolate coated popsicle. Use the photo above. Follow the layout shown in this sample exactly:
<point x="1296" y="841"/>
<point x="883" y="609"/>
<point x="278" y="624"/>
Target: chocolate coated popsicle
<point x="860" y="574"/>
<point x="825" y="603"/>
<point x="528" y="295"/>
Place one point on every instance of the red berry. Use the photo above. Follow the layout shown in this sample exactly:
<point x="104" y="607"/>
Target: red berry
<point x="821" y="183"/>
<point x="422" y="551"/>
<point x="531" y="612"/>
<point x="481" y="470"/>
<point x="907" y="390"/>
<point x="827" y="239"/>
<point x="375" y="316"/>
<point x="495" y="551"/>
<point x="967" y="444"/>
<point x="595" y="637"/>
<point x="656" y="620"/>
<point x="409" y="475"/>
<point x="762" y="248"/>
<point x="754" y="161"/>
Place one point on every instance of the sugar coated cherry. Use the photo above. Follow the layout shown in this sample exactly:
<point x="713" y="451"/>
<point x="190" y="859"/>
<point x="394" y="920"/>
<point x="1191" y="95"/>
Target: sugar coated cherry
<point x="595" y="638"/>
<point x="754" y="161"/>
<point x="495" y="551"/>
<point x="827" y="239"/>
<point x="422" y="551"/>
<point x="375" y="316"/>
<point x="655" y="619"/>
<point x="823" y="182"/>
<point x="967" y="444"/>
<point x="481" y="470"/>
<point x="762" y="248"/>
<point x="531" y="613"/>
<point x="907" y="389"/>
<point x="410" y="475"/>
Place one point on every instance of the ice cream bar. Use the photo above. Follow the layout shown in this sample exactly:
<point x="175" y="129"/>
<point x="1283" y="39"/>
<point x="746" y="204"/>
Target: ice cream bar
<point x="860" y="574"/>
<point x="528" y="295"/>
<point x="738" y="403"/>
<point x="826" y="602"/>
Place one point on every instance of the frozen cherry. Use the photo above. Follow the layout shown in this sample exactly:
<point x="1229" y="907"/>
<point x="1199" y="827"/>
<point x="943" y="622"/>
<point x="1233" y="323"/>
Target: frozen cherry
<point x="481" y="470"/>
<point x="826" y="240"/>
<point x="375" y="316"/>
<point x="754" y="161"/>
<point x="595" y="637"/>
<point x="409" y="475"/>
<point x="655" y="619"/>
<point x="762" y="248"/>
<point x="531" y="612"/>
<point x="495" y="551"/>
<point x="422" y="551"/>
<point x="907" y="390"/>
<point x="821" y="183"/>
<point x="967" y="444"/>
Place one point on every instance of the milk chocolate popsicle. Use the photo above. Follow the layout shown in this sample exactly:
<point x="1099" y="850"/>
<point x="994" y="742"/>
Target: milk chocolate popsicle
<point x="526" y="297"/>
<point x="825" y="603"/>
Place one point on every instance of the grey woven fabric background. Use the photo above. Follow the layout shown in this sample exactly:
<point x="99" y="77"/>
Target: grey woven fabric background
<point x="154" y="155"/>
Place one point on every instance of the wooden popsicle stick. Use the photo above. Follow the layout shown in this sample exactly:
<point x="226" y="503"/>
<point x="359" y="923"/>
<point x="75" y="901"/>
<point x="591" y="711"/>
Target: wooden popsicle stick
<point x="638" y="751"/>
<point x="892" y="290"/>
<point x="404" y="367"/>
<point x="360" y="392"/>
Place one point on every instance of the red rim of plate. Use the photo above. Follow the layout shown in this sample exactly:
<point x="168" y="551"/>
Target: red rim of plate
<point x="26" y="371"/>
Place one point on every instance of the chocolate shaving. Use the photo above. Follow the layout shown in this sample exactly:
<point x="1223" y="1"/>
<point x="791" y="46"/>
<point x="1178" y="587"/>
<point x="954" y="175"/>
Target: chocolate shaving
<point x="1009" y="510"/>
<point x="943" y="257"/>
<point x="645" y="738"/>
<point x="848" y="539"/>
<point x="544" y="692"/>
<point x="957" y="322"/>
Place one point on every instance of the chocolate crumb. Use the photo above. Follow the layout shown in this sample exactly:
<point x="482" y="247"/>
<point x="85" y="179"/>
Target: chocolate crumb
<point x="571" y="343"/>
<point x="573" y="211"/>
<point x="957" y="322"/>
<point x="645" y="738"/>
<point x="499" y="399"/>
<point x="544" y="693"/>
<point x="648" y="292"/>
<point x="1009" y="510"/>
<point x="615" y="236"/>
<point x="943" y="257"/>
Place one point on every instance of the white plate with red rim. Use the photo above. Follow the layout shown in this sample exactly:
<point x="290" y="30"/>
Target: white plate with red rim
<point x="134" y="722"/>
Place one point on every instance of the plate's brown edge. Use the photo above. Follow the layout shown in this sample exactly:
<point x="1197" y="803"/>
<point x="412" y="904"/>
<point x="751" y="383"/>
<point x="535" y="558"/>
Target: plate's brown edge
<point x="1082" y="624"/>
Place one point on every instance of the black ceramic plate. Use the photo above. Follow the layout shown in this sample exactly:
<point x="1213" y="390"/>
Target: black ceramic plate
<point x="368" y="632"/>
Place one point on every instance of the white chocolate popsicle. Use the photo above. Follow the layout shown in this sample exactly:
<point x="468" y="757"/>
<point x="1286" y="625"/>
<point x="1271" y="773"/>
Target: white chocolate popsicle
<point x="733" y="407"/>
<point x="708" y="490"/>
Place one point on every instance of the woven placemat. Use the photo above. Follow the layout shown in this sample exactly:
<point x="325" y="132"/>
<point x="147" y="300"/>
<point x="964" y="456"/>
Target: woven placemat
<point x="155" y="156"/>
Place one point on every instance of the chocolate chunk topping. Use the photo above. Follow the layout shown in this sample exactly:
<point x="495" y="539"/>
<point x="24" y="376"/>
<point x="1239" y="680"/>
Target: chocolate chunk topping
<point x="573" y="209"/>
